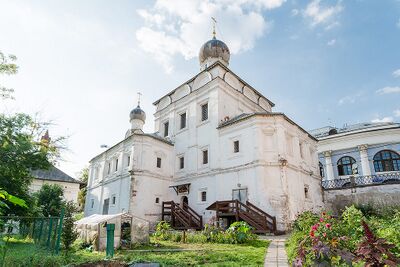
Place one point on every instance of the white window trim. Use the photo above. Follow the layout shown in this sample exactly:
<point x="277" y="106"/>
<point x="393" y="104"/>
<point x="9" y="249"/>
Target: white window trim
<point x="199" y="195"/>
<point x="200" y="122"/>
<point x="201" y="164"/>
<point x="178" y="124"/>
<point x="178" y="165"/>
<point x="163" y="128"/>
<point x="112" y="196"/>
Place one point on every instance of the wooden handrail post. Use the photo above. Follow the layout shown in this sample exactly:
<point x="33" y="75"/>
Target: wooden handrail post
<point x="237" y="209"/>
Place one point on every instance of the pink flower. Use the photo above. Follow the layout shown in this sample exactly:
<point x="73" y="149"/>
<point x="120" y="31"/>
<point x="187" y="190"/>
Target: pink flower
<point x="324" y="234"/>
<point x="314" y="227"/>
<point x="328" y="225"/>
<point x="321" y="219"/>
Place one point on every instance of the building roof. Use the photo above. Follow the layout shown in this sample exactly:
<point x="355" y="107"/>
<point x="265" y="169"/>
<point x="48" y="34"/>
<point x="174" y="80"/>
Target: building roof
<point x="53" y="174"/>
<point x="245" y="116"/>
<point x="207" y="69"/>
<point x="151" y="135"/>
<point x="332" y="132"/>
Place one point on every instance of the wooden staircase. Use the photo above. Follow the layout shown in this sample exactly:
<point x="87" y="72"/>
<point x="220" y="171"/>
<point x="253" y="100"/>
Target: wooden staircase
<point x="235" y="210"/>
<point x="181" y="218"/>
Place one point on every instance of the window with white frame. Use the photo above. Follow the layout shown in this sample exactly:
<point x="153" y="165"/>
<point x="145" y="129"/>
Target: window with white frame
<point x="236" y="146"/>
<point x="128" y="160"/>
<point x="204" y="112"/>
<point x="116" y="165"/>
<point x="166" y="128"/>
<point x="205" y="156"/>
<point x="92" y="203"/>
<point x="202" y="195"/>
<point x="181" y="162"/>
<point x="109" y="168"/>
<point x="113" y="200"/>
<point x="182" y="118"/>
<point x="158" y="162"/>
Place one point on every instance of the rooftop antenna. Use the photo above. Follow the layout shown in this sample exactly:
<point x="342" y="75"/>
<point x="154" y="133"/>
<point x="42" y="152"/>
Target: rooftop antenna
<point x="214" y="23"/>
<point x="139" y="95"/>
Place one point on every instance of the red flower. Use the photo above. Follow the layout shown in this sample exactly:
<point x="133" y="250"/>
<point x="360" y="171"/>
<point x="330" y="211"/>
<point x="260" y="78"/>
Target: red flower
<point x="328" y="225"/>
<point x="312" y="234"/>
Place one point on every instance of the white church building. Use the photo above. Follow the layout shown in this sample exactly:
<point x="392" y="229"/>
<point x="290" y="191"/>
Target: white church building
<point x="219" y="153"/>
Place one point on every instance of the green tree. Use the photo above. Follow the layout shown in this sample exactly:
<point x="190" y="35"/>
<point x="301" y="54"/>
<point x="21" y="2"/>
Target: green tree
<point x="50" y="199"/>
<point x="69" y="233"/>
<point x="23" y="150"/>
<point x="84" y="177"/>
<point x="7" y="66"/>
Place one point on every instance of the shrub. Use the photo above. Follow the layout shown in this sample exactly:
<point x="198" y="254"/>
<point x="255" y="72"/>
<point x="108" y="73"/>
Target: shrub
<point x="163" y="230"/>
<point x="304" y="221"/>
<point x="240" y="232"/>
<point x="69" y="233"/>
<point x="351" y="226"/>
<point x="375" y="251"/>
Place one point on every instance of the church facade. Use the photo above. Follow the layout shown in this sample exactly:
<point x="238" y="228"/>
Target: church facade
<point x="216" y="141"/>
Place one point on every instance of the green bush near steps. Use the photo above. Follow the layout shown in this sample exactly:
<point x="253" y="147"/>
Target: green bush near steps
<point x="237" y="233"/>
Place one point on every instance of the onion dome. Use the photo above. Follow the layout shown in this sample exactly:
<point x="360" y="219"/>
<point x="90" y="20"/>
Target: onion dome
<point x="137" y="114"/>
<point x="214" y="49"/>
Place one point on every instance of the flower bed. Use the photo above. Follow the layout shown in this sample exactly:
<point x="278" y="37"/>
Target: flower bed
<point x="353" y="239"/>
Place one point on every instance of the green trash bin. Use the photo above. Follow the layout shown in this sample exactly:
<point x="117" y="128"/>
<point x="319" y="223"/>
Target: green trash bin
<point x="110" y="240"/>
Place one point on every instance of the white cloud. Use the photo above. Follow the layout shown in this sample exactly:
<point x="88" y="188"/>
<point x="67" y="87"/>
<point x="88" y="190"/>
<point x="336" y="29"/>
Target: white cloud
<point x="322" y="15"/>
<point x="396" y="112"/>
<point x="331" y="42"/>
<point x="388" y="90"/>
<point x="350" y="99"/>
<point x="180" y="27"/>
<point x="396" y="73"/>
<point x="384" y="119"/>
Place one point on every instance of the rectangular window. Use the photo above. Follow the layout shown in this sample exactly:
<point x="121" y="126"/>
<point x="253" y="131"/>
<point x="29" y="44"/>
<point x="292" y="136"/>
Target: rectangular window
<point x="92" y="203"/>
<point x="181" y="162"/>
<point x="235" y="146"/>
<point x="128" y="160"/>
<point x="205" y="156"/>
<point x="113" y="200"/>
<point x="204" y="112"/>
<point x="183" y="121"/>
<point x="116" y="165"/>
<point x="306" y="191"/>
<point x="158" y="162"/>
<point x="203" y="196"/>
<point x="166" y="126"/>
<point x="157" y="200"/>
<point x="109" y="168"/>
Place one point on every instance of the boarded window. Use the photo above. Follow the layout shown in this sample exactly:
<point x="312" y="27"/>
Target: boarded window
<point x="205" y="156"/>
<point x="236" y="146"/>
<point x="204" y="112"/>
<point x="158" y="162"/>
<point x="183" y="120"/>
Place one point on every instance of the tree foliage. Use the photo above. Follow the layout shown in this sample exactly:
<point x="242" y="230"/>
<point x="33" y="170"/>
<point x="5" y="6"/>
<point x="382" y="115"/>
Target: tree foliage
<point x="7" y="66"/>
<point x="69" y="233"/>
<point x="50" y="199"/>
<point x="84" y="177"/>
<point x="23" y="150"/>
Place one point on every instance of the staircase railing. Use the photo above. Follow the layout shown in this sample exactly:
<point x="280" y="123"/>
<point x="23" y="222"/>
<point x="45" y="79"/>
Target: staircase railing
<point x="249" y="212"/>
<point x="181" y="217"/>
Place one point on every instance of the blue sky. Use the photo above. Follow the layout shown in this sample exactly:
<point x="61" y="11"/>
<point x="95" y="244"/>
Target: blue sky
<point x="82" y="62"/>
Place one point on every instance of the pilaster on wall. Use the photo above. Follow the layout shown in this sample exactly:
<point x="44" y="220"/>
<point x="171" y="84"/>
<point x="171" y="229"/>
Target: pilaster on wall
<point x="366" y="170"/>
<point x="329" y="167"/>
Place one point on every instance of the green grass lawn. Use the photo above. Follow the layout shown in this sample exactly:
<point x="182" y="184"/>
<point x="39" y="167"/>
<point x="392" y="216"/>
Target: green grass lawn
<point x="24" y="253"/>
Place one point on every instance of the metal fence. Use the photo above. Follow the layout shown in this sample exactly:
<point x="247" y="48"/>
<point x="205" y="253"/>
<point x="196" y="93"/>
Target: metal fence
<point x="44" y="231"/>
<point x="360" y="181"/>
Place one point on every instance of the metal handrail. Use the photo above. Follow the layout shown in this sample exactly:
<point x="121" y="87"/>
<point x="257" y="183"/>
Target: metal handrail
<point x="360" y="181"/>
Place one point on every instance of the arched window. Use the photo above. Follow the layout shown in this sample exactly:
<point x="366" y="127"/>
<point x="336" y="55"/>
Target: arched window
<point x="386" y="161"/>
<point x="321" y="170"/>
<point x="344" y="165"/>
